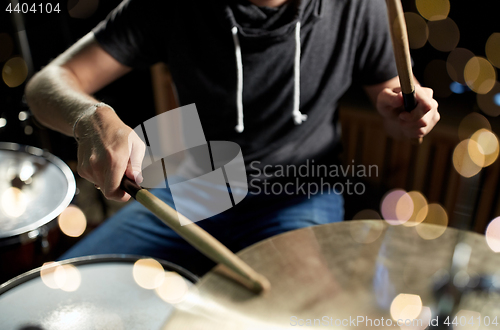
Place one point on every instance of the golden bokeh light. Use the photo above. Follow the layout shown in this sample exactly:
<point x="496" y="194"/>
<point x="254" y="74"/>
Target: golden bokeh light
<point x="489" y="103"/>
<point x="419" y="204"/>
<point x="437" y="218"/>
<point x="493" y="235"/>
<point x="444" y="35"/>
<point x="406" y="307"/>
<point x="396" y="207"/>
<point x="173" y="289"/>
<point x="471" y="123"/>
<point x="82" y="9"/>
<point x="462" y="161"/>
<point x="433" y="10"/>
<point x="67" y="277"/>
<point x="418" y="32"/>
<point x="14" y="202"/>
<point x="6" y="46"/>
<point x="366" y="231"/>
<point x="480" y="75"/>
<point x="464" y="318"/>
<point x="436" y="77"/>
<point x="476" y="153"/>
<point x="72" y="221"/>
<point x="493" y="49"/>
<point x="425" y="318"/>
<point x="367" y="215"/>
<point x="148" y="273"/>
<point x="456" y="62"/>
<point x="14" y="72"/>
<point x="487" y="143"/>
<point x="47" y="274"/>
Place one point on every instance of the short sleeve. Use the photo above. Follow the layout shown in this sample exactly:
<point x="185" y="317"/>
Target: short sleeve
<point x="375" y="61"/>
<point x="133" y="33"/>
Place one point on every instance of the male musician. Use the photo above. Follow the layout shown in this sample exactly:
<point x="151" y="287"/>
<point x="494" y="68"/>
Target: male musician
<point x="266" y="74"/>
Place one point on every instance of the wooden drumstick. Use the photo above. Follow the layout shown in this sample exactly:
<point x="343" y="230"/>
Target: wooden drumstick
<point x="401" y="46"/>
<point x="198" y="238"/>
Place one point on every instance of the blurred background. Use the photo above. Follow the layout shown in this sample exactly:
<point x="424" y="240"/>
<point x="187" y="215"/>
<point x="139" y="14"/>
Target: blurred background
<point x="451" y="179"/>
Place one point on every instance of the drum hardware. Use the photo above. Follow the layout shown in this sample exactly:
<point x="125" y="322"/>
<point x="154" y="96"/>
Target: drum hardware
<point x="232" y="266"/>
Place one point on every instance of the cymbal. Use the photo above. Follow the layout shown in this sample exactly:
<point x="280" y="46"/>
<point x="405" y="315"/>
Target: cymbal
<point x="333" y="273"/>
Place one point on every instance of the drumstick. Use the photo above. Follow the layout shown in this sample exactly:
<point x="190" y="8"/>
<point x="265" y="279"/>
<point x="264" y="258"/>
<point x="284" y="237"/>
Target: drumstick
<point x="198" y="238"/>
<point x="401" y="46"/>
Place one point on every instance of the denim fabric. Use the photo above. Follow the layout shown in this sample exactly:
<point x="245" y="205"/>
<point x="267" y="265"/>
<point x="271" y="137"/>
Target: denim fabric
<point x="135" y="230"/>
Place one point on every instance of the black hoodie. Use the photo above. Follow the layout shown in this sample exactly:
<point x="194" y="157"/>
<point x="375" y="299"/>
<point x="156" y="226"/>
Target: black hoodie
<point x="340" y="42"/>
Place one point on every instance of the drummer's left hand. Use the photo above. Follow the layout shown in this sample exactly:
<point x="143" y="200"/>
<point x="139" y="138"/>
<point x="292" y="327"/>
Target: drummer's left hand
<point x="388" y="99"/>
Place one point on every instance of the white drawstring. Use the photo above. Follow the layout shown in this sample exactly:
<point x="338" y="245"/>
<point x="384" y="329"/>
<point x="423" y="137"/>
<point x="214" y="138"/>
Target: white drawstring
<point x="239" y="87"/>
<point x="298" y="117"/>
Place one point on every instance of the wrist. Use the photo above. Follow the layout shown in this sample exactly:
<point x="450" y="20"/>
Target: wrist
<point x="91" y="120"/>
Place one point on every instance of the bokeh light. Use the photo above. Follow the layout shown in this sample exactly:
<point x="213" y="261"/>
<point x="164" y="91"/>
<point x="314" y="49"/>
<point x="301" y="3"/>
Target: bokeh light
<point x="433" y="10"/>
<point x="464" y="318"/>
<point x="3" y="122"/>
<point x="82" y="9"/>
<point x="480" y="75"/>
<point x="406" y="307"/>
<point x="67" y="277"/>
<point x="418" y="32"/>
<point x="456" y="62"/>
<point x="489" y="103"/>
<point x="47" y="274"/>
<point x="437" y="218"/>
<point x="72" y="221"/>
<point x="419" y="204"/>
<point x="468" y="164"/>
<point x="23" y="115"/>
<point x="436" y="77"/>
<point x="458" y="88"/>
<point x="493" y="234"/>
<point x="493" y="49"/>
<point x="471" y="123"/>
<point x="148" y="273"/>
<point x="6" y="46"/>
<point x="366" y="232"/>
<point x="396" y="207"/>
<point x="14" y="72"/>
<point x="367" y="215"/>
<point x="425" y="316"/>
<point x="173" y="289"/>
<point x="14" y="202"/>
<point x="487" y="145"/>
<point x="444" y="35"/>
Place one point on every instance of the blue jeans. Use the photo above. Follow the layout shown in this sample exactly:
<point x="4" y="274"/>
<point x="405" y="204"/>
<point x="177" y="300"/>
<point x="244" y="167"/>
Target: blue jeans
<point x="135" y="230"/>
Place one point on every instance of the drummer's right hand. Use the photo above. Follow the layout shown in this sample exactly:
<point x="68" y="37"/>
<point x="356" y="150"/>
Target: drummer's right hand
<point x="107" y="150"/>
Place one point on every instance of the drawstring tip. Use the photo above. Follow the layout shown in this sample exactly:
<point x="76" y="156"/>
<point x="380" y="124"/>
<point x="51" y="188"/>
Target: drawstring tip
<point x="239" y="128"/>
<point x="299" y="118"/>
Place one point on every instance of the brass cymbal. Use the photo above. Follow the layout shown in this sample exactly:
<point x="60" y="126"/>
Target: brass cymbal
<point x="333" y="273"/>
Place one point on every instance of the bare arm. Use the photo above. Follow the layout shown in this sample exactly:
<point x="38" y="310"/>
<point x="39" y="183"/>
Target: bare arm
<point x="60" y="94"/>
<point x="61" y="91"/>
<point x="388" y="100"/>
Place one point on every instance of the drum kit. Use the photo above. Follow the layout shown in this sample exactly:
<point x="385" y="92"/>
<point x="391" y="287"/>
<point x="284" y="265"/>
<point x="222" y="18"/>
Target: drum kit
<point x="365" y="273"/>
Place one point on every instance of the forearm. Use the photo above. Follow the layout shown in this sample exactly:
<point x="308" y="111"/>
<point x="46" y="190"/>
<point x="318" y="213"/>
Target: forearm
<point x="56" y="98"/>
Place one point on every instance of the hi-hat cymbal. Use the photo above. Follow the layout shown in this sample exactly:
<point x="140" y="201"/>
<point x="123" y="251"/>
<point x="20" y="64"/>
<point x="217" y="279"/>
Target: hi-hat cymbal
<point x="334" y="274"/>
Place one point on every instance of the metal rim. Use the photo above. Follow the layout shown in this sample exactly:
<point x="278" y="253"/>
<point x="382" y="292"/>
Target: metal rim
<point x="68" y="174"/>
<point x="103" y="258"/>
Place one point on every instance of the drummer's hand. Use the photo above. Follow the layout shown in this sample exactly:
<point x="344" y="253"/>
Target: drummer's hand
<point x="415" y="124"/>
<point x="107" y="150"/>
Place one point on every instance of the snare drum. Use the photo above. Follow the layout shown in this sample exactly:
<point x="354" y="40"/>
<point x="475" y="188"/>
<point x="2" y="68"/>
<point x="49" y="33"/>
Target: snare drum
<point x="95" y="292"/>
